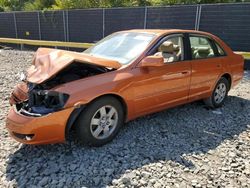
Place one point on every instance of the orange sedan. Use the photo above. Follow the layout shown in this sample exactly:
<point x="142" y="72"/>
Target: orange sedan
<point x="126" y="75"/>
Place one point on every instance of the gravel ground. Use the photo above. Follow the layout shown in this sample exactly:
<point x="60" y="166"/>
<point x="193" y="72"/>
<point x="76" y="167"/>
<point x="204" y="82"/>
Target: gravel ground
<point x="187" y="146"/>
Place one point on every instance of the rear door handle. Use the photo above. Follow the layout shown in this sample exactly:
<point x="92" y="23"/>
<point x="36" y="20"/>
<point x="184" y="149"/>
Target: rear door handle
<point x="184" y="72"/>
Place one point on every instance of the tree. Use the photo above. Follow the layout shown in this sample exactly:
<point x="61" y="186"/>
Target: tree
<point x="10" y="5"/>
<point x="1" y="9"/>
<point x="38" y="5"/>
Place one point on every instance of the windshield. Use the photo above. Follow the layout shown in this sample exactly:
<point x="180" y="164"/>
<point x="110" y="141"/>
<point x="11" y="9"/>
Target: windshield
<point x="122" y="47"/>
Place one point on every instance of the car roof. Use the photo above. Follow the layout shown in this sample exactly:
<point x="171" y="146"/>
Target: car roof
<point x="166" y="31"/>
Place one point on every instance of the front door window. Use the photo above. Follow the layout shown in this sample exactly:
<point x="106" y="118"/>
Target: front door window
<point x="171" y="49"/>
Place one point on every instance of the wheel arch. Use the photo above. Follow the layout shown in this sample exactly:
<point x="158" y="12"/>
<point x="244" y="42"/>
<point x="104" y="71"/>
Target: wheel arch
<point x="209" y="101"/>
<point x="77" y="111"/>
<point x="229" y="78"/>
<point x="118" y="97"/>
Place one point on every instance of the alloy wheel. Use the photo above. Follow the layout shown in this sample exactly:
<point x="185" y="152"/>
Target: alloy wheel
<point x="104" y="122"/>
<point x="220" y="93"/>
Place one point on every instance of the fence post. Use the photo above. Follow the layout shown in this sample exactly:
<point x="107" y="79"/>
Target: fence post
<point x="67" y="24"/>
<point x="199" y="18"/>
<point x="103" y="22"/>
<point x="15" y="25"/>
<point x="196" y="17"/>
<point x="39" y="25"/>
<point x="64" y="27"/>
<point x="145" y="17"/>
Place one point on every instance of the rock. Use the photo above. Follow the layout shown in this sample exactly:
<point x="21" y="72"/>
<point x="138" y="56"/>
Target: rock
<point x="96" y="180"/>
<point x="73" y="167"/>
<point x="146" y="174"/>
<point x="157" y="185"/>
<point x="115" y="182"/>
<point x="234" y="165"/>
<point x="125" y="180"/>
<point x="143" y="182"/>
<point x="44" y="181"/>
<point x="109" y="171"/>
<point x="226" y="169"/>
<point x="194" y="182"/>
<point x="247" y="172"/>
<point x="54" y="182"/>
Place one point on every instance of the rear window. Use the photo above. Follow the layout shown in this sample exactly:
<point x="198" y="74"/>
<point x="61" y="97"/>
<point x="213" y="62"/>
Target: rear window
<point x="220" y="50"/>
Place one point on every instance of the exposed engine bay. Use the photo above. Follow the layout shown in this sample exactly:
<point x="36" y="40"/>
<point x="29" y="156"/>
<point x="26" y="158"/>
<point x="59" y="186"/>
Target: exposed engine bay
<point x="41" y="100"/>
<point x="74" y="71"/>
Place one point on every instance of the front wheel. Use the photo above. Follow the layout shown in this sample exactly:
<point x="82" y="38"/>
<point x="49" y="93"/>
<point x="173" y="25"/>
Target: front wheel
<point x="100" y="121"/>
<point x="219" y="94"/>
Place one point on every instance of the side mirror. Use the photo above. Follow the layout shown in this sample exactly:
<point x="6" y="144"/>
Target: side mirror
<point x="152" y="61"/>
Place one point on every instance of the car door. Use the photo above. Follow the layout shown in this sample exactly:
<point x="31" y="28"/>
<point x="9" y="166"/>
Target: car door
<point x="156" y="88"/>
<point x="206" y="66"/>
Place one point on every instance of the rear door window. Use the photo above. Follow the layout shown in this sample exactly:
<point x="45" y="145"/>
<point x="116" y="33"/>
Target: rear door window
<point x="201" y="47"/>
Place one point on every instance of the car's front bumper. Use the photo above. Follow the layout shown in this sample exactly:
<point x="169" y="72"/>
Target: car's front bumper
<point x="46" y="129"/>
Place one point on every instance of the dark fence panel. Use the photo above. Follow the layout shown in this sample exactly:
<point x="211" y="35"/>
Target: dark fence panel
<point x="85" y="25"/>
<point x="52" y="26"/>
<point x="230" y="22"/>
<point x="123" y="18"/>
<point x="27" y="25"/>
<point x="175" y="17"/>
<point x="7" y="25"/>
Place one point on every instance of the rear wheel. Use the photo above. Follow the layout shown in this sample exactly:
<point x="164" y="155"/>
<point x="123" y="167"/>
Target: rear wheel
<point x="219" y="94"/>
<point x="100" y="121"/>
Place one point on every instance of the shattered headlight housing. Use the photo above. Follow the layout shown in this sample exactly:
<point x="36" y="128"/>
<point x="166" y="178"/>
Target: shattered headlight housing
<point x="44" y="101"/>
<point x="40" y="101"/>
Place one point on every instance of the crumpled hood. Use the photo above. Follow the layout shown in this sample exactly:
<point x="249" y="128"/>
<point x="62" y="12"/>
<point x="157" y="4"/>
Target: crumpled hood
<point x="47" y="62"/>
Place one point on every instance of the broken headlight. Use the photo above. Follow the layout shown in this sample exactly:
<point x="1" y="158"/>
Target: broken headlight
<point x="44" y="102"/>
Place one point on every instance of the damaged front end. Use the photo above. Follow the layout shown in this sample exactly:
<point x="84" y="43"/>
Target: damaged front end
<point x="40" y="112"/>
<point x="37" y="100"/>
<point x="51" y="68"/>
<point x="31" y="100"/>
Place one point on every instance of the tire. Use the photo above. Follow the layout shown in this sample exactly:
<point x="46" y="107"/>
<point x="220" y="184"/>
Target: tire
<point x="219" y="94"/>
<point x="94" y="127"/>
